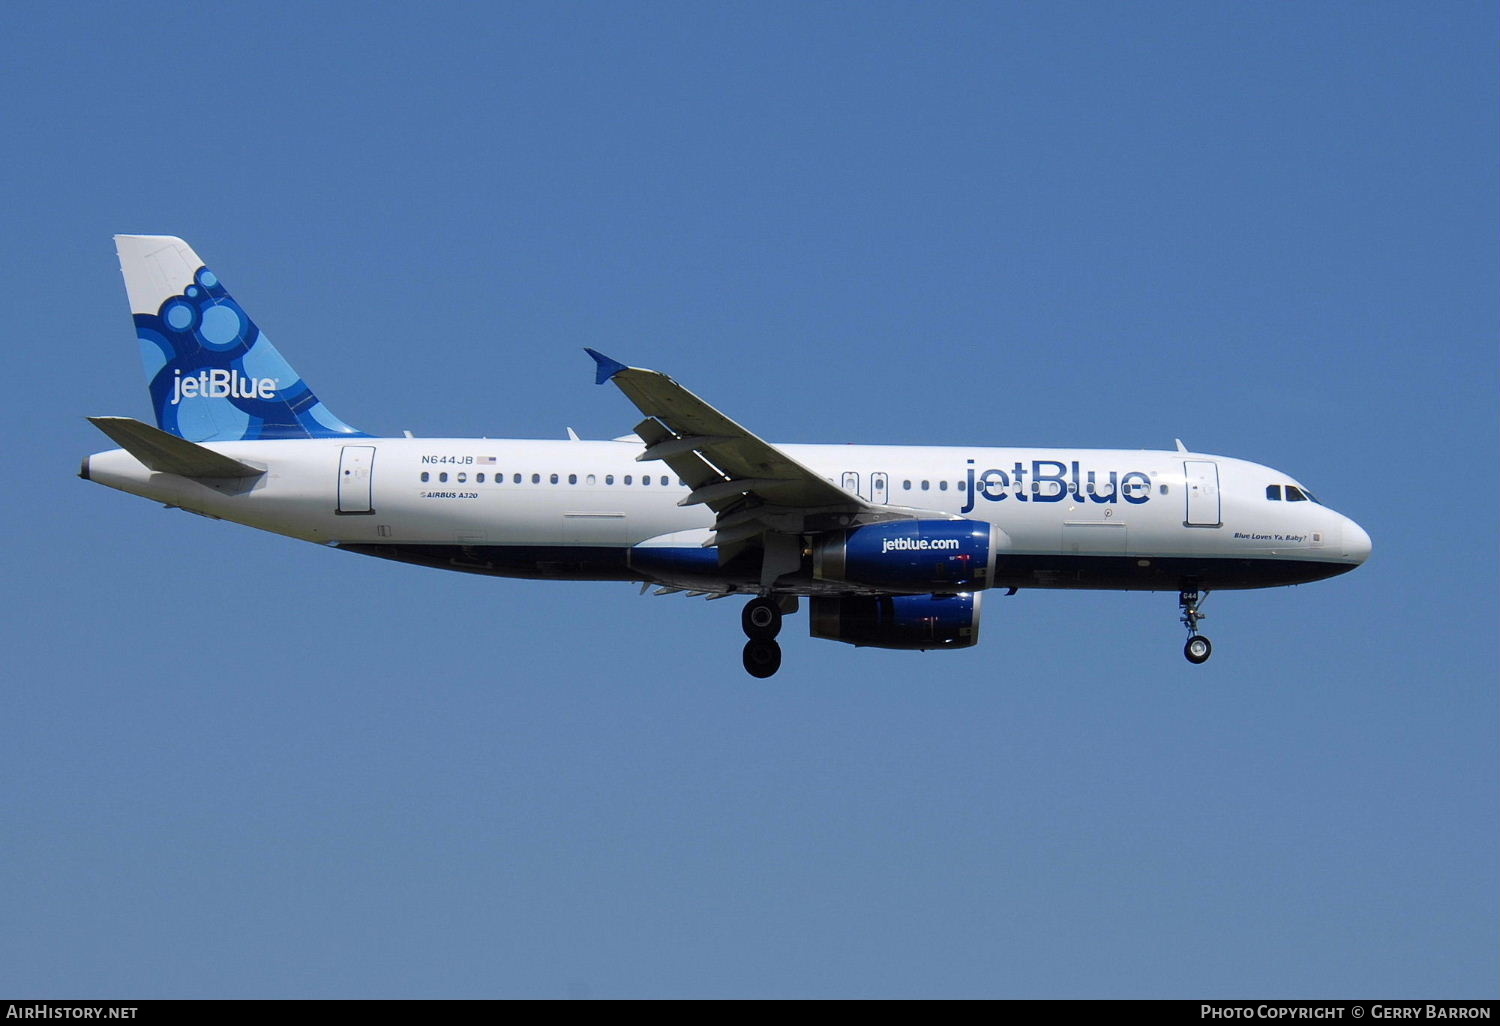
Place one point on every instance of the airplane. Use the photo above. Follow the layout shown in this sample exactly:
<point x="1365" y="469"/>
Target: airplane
<point x="892" y="546"/>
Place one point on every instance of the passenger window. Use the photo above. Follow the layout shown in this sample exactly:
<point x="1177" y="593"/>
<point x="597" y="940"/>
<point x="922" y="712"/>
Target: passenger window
<point x="535" y="478"/>
<point x="645" y="479"/>
<point x="462" y="478"/>
<point x="1273" y="492"/>
<point x="479" y="477"/>
<point x="1162" y="489"/>
<point x="590" y="481"/>
<point x="906" y="486"/>
<point x="443" y="476"/>
<point x="572" y="479"/>
<point x="609" y="479"/>
<point x="1293" y="495"/>
<point x="627" y="479"/>
<point x="424" y="477"/>
<point x="664" y="480"/>
<point x="925" y="486"/>
<point x="553" y="479"/>
<point x="942" y="486"/>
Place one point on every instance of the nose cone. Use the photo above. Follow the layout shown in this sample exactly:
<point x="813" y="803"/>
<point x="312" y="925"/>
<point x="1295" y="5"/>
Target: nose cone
<point x="1356" y="542"/>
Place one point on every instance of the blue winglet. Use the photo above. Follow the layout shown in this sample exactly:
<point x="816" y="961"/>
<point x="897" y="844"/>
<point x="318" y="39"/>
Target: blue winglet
<point x="607" y="368"/>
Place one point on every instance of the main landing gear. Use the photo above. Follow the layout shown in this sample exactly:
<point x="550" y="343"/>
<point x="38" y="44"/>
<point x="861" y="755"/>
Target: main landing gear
<point x="1198" y="648"/>
<point x="761" y="620"/>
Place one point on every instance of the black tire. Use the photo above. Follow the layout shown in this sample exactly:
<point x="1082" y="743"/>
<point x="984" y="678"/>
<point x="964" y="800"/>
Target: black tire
<point x="762" y="658"/>
<point x="761" y="619"/>
<point x="1198" y="649"/>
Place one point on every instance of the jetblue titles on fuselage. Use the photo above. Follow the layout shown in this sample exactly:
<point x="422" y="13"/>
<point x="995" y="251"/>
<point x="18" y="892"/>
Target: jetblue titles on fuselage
<point x="1053" y="481"/>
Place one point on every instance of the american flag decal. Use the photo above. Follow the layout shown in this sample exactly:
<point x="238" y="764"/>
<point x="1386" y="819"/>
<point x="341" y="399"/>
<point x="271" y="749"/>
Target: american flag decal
<point x="485" y="459"/>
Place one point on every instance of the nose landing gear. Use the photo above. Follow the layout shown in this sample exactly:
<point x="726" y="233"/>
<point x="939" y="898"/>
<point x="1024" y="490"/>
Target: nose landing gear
<point x="761" y="620"/>
<point x="1198" y="648"/>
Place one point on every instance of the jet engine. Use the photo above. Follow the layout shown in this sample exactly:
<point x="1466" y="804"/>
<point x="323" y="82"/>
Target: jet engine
<point x="898" y="621"/>
<point x="916" y="556"/>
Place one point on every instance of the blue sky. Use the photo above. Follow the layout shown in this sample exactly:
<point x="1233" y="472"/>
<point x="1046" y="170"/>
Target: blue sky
<point x="237" y="765"/>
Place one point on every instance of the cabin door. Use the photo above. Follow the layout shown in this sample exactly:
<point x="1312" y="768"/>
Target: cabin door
<point x="1202" y="493"/>
<point x="355" y="462"/>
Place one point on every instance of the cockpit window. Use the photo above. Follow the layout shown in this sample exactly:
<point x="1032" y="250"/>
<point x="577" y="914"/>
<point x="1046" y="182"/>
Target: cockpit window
<point x="1294" y="494"/>
<point x="1273" y="492"/>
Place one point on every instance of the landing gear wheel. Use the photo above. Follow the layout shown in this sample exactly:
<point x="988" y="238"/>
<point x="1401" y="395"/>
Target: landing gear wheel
<point x="762" y="657"/>
<point x="1198" y="649"/>
<point x="761" y="619"/>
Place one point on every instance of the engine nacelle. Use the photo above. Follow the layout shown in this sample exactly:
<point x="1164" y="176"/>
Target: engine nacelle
<point x="916" y="556"/>
<point x="898" y="621"/>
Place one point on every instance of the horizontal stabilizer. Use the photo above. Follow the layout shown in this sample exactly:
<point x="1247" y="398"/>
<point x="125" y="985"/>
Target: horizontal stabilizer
<point x="167" y="453"/>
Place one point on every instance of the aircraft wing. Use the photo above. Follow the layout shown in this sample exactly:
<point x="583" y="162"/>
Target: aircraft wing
<point x="754" y="488"/>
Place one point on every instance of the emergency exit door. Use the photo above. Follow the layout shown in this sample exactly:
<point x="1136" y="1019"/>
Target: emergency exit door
<point x="880" y="486"/>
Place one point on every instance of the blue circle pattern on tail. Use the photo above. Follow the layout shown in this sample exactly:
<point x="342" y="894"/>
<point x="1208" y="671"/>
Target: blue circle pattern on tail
<point x="215" y="377"/>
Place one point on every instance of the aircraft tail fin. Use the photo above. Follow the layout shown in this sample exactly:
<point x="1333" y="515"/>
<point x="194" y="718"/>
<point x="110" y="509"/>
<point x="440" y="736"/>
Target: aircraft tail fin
<point x="213" y="375"/>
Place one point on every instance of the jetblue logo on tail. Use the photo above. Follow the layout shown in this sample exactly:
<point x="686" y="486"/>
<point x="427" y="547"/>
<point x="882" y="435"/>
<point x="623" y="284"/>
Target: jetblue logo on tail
<point x="213" y="374"/>
<point x="222" y="384"/>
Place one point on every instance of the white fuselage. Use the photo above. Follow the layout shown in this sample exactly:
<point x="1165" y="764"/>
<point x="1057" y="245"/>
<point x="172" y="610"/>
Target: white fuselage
<point x="1082" y="518"/>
